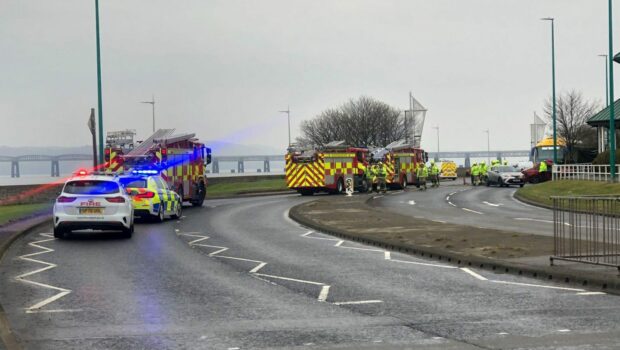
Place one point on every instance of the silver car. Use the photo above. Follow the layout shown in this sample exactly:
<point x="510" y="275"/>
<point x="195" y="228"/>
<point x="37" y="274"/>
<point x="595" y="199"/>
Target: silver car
<point x="504" y="175"/>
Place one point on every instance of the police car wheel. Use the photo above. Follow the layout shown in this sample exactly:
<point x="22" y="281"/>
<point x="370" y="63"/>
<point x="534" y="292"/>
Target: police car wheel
<point x="177" y="214"/>
<point x="160" y="215"/>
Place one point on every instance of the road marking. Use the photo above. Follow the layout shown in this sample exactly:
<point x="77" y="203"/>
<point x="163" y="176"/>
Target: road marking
<point x="306" y="234"/>
<point x="375" y="197"/>
<point x="439" y="221"/>
<point x="387" y="255"/>
<point x="448" y="198"/>
<point x="323" y="294"/>
<point x="290" y="279"/>
<point x="563" y="330"/>
<point x="492" y="204"/>
<point x="411" y="202"/>
<point x="453" y="193"/>
<point x="423" y="264"/>
<point x="355" y="248"/>
<point x="472" y="211"/>
<point x="591" y="293"/>
<point x="339" y="243"/>
<point x="465" y="269"/>
<point x="537" y="220"/>
<point x="538" y="286"/>
<point x="36" y="308"/>
<point x="502" y="333"/>
<point x="260" y="265"/>
<point x="452" y="204"/>
<point x="360" y="302"/>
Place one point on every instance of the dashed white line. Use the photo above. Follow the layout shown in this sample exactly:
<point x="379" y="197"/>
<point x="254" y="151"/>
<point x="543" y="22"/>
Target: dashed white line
<point x="492" y="204"/>
<point x="323" y="294"/>
<point x="411" y="202"/>
<point x="591" y="293"/>
<point x="472" y="211"/>
<point x="480" y="277"/>
<point x="537" y="220"/>
<point x="452" y="204"/>
<point x="360" y="302"/>
<point x="563" y="330"/>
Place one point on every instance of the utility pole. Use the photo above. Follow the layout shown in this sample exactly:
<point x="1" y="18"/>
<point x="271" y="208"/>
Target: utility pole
<point x="99" y="99"/>
<point x="555" y="137"/>
<point x="288" y="114"/>
<point x="612" y="114"/>
<point x="152" y="102"/>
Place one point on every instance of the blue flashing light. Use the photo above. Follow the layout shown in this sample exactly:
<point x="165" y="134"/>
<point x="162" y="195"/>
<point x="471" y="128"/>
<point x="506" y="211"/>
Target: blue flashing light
<point x="146" y="172"/>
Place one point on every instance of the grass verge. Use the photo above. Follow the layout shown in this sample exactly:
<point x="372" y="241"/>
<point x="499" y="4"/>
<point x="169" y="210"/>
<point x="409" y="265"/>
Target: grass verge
<point x="245" y="187"/>
<point x="541" y="193"/>
<point x="13" y="212"/>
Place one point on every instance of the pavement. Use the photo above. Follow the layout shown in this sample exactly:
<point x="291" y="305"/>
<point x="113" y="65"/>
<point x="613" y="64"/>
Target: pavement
<point x="239" y="274"/>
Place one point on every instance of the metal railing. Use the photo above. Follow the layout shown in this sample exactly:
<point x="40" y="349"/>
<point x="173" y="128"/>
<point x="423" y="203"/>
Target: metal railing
<point x="586" y="229"/>
<point x="591" y="172"/>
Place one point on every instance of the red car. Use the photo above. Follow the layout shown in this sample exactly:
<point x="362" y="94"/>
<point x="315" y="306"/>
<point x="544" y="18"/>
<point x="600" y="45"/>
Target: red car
<point x="532" y="175"/>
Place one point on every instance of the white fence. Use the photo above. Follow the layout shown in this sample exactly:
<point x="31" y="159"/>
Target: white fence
<point x="582" y="172"/>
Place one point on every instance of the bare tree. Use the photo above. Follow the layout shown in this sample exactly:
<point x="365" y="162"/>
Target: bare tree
<point x="363" y="121"/>
<point x="572" y="112"/>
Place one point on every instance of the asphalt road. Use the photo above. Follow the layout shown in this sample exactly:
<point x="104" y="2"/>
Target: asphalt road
<point x="486" y="207"/>
<point x="239" y="274"/>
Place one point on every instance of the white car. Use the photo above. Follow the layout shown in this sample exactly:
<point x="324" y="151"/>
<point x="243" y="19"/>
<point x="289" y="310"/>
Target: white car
<point x="95" y="202"/>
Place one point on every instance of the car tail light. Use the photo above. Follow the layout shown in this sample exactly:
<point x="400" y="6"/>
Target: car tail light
<point x="147" y="194"/>
<point x="63" y="199"/>
<point x="118" y="199"/>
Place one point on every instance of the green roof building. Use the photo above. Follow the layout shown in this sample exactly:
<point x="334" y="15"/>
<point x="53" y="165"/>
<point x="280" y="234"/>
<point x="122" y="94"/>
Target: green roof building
<point x="601" y="122"/>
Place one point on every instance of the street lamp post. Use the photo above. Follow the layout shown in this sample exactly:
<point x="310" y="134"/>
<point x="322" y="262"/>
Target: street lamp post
<point x="288" y="114"/>
<point x="555" y="138"/>
<point x="152" y="102"/>
<point x="99" y="99"/>
<point x="612" y="114"/>
<point x="606" y="79"/>
<point x="488" y="146"/>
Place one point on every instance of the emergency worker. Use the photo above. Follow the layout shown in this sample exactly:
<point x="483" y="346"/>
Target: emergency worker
<point x="483" y="171"/>
<point x="422" y="174"/>
<point x="374" y="172"/>
<point x="475" y="174"/>
<point x="381" y="177"/>
<point x="368" y="175"/>
<point x="434" y="174"/>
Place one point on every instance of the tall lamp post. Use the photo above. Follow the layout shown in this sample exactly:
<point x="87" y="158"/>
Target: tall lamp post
<point x="612" y="114"/>
<point x="288" y="114"/>
<point x="555" y="137"/>
<point x="99" y="100"/>
<point x="488" y="146"/>
<point x="152" y="102"/>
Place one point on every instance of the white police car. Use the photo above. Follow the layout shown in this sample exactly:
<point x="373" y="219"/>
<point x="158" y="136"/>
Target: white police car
<point x="94" y="202"/>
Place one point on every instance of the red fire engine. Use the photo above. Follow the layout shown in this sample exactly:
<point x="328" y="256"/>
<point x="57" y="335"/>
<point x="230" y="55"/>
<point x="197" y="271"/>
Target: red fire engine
<point x="327" y="169"/>
<point x="400" y="160"/>
<point x="180" y="159"/>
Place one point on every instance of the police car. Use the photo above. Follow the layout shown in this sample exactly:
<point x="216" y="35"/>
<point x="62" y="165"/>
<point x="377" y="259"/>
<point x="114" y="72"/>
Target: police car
<point x="95" y="202"/>
<point x="151" y="196"/>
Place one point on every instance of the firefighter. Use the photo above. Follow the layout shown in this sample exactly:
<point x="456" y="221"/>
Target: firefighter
<point x="375" y="172"/>
<point x="483" y="171"/>
<point x="381" y="178"/>
<point x="475" y="174"/>
<point x="434" y="174"/>
<point x="542" y="170"/>
<point x="368" y="175"/>
<point x="422" y="174"/>
<point x="471" y="172"/>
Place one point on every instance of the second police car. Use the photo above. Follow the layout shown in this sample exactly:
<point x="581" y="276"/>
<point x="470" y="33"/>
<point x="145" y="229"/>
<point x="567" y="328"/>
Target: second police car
<point x="151" y="196"/>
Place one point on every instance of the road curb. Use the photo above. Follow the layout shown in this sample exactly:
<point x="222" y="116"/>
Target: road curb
<point x="6" y="335"/>
<point x="548" y="273"/>
<point x="520" y="198"/>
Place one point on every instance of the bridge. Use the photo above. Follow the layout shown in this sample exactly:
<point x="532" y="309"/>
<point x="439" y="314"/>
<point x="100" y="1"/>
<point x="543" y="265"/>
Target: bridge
<point x="239" y="160"/>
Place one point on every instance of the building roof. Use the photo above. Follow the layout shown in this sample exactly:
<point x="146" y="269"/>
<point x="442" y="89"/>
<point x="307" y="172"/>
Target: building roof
<point x="602" y="117"/>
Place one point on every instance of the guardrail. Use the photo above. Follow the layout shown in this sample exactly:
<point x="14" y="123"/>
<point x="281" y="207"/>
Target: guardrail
<point x="586" y="229"/>
<point x="591" y="172"/>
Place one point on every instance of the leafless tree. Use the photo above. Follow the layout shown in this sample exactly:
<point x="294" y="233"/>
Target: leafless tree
<point x="363" y="121"/>
<point x="572" y="112"/>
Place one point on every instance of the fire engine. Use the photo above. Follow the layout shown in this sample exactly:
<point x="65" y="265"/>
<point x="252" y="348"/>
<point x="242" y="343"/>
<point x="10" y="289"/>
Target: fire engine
<point x="179" y="159"/>
<point x="326" y="169"/>
<point x="400" y="160"/>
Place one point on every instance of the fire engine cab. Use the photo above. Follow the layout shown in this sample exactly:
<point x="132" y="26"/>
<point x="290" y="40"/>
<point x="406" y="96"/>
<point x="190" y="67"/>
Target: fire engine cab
<point x="401" y="160"/>
<point x="327" y="169"/>
<point x="180" y="159"/>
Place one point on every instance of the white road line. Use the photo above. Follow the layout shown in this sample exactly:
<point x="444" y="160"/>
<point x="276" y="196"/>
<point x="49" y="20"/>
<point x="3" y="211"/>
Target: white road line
<point x="387" y="255"/>
<point x="323" y="294"/>
<point x="482" y="278"/>
<point x="452" y="204"/>
<point x="537" y="220"/>
<point x="563" y="330"/>
<point x="591" y="293"/>
<point x="492" y="204"/>
<point x="22" y="278"/>
<point x="423" y="264"/>
<point x="502" y="333"/>
<point x="258" y="267"/>
<point x="366" y="249"/>
<point x="538" y="286"/>
<point x="339" y="243"/>
<point x="358" y="302"/>
<point x="412" y="202"/>
<point x="291" y="279"/>
<point x="439" y="221"/>
<point x="472" y="211"/>
<point x="306" y="234"/>
<point x="375" y="197"/>
<point x="453" y="193"/>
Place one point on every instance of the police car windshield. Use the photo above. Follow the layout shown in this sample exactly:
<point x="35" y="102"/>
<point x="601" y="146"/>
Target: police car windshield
<point x="91" y="187"/>
<point x="133" y="183"/>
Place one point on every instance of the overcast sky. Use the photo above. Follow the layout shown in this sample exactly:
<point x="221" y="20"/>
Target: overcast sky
<point x="223" y="69"/>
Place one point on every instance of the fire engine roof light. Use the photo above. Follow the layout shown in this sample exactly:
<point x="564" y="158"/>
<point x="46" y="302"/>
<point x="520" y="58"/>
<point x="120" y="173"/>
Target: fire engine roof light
<point x="82" y="172"/>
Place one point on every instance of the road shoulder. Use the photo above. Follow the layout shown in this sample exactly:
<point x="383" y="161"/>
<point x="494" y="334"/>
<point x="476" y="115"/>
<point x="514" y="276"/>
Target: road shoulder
<point x="498" y="251"/>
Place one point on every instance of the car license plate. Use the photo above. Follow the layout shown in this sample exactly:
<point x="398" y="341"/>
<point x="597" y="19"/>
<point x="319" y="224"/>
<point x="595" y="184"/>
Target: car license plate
<point x="91" y="211"/>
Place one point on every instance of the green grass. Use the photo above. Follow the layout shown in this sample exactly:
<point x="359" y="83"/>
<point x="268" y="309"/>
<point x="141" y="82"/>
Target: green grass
<point x="12" y="212"/>
<point x="540" y="193"/>
<point x="245" y="187"/>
